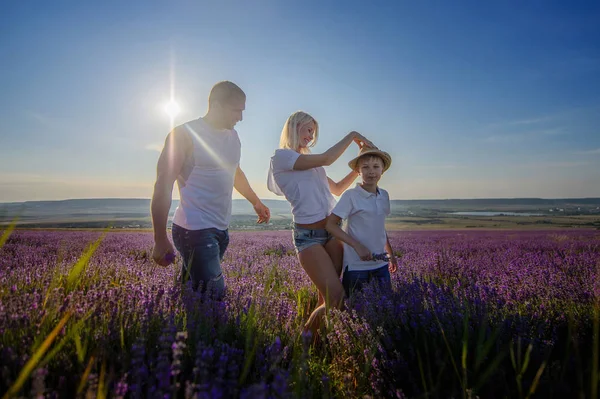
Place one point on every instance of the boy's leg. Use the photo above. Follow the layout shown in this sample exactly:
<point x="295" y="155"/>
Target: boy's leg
<point x="382" y="277"/>
<point x="354" y="280"/>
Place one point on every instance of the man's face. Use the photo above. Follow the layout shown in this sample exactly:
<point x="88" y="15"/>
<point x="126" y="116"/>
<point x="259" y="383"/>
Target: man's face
<point x="370" y="169"/>
<point x="230" y="113"/>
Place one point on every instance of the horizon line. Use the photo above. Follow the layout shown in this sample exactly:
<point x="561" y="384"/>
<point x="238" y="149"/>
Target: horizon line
<point x="283" y="200"/>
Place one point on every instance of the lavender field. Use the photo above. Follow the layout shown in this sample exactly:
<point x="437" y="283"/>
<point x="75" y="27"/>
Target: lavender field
<point x="473" y="314"/>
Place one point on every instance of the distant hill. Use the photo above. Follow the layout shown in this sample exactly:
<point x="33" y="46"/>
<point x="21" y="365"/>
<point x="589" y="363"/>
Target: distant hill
<point x="498" y="204"/>
<point x="136" y="212"/>
<point x="79" y="210"/>
<point x="114" y="206"/>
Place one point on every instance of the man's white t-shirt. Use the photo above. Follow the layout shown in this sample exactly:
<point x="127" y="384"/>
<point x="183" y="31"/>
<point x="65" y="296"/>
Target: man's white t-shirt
<point x="306" y="190"/>
<point x="365" y="213"/>
<point x="207" y="177"/>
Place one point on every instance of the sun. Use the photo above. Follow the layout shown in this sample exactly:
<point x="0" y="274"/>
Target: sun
<point x="172" y="109"/>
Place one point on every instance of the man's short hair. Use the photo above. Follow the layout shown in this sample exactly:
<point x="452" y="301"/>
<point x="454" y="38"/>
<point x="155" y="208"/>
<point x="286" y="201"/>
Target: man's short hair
<point x="224" y="91"/>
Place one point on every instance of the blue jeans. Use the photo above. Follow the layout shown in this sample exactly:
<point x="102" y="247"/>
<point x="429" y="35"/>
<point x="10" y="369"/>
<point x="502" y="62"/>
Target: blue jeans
<point x="354" y="280"/>
<point x="202" y="252"/>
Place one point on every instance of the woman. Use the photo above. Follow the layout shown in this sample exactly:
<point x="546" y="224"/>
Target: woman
<point x="299" y="176"/>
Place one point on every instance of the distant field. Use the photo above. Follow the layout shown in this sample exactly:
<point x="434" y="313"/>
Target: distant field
<point x="493" y="222"/>
<point x="406" y="223"/>
<point x="128" y="214"/>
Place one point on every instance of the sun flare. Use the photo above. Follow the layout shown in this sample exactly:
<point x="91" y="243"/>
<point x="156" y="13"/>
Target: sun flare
<point x="172" y="108"/>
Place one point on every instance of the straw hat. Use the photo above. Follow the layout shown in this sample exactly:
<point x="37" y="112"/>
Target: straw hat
<point x="387" y="159"/>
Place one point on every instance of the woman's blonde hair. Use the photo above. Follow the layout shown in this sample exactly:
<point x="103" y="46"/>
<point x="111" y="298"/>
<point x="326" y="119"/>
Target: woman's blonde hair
<point x="289" y="134"/>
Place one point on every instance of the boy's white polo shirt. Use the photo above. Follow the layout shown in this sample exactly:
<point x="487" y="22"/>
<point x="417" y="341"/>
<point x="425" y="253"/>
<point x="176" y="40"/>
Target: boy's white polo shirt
<point x="365" y="213"/>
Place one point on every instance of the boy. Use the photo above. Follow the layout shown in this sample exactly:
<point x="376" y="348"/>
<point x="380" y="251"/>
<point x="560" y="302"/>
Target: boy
<point x="366" y="244"/>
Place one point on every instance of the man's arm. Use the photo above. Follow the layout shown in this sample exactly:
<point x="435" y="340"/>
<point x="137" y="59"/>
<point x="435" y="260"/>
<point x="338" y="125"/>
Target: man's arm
<point x="393" y="266"/>
<point x="243" y="187"/>
<point x="168" y="168"/>
<point x="341" y="186"/>
<point x="333" y="227"/>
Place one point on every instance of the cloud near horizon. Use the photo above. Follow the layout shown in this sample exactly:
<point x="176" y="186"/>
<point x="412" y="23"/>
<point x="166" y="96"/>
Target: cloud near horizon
<point x="589" y="152"/>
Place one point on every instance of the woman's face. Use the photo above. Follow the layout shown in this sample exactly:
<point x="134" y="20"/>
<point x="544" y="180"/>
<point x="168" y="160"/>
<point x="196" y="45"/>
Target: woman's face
<point x="306" y="133"/>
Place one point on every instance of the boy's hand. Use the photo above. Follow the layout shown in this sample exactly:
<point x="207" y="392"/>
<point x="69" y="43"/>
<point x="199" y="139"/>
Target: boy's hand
<point x="363" y="252"/>
<point x="393" y="265"/>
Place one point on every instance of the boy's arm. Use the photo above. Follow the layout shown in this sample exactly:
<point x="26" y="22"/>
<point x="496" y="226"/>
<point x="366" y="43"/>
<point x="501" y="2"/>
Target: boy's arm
<point x="393" y="261"/>
<point x="334" y="228"/>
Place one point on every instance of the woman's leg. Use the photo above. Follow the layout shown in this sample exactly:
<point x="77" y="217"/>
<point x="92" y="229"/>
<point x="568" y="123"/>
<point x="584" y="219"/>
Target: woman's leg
<point x="320" y="269"/>
<point x="335" y="250"/>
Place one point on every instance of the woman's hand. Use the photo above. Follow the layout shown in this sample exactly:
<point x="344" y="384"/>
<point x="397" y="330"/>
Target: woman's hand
<point x="361" y="140"/>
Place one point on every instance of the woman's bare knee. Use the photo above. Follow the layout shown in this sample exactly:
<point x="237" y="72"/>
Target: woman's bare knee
<point x="320" y="269"/>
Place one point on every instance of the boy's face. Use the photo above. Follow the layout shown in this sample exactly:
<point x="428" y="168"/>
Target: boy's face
<point x="370" y="169"/>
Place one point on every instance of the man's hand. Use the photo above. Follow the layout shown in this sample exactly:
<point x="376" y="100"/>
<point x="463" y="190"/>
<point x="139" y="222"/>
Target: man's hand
<point x="163" y="252"/>
<point x="393" y="265"/>
<point x="263" y="213"/>
<point x="363" y="252"/>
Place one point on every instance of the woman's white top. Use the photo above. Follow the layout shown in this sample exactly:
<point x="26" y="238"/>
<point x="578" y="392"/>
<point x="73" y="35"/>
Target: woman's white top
<point x="306" y="190"/>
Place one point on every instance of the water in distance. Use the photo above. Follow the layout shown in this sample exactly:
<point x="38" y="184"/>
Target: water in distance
<point x="486" y="213"/>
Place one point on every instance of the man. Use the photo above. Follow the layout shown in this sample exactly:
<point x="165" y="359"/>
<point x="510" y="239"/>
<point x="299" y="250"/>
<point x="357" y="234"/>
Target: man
<point x="203" y="155"/>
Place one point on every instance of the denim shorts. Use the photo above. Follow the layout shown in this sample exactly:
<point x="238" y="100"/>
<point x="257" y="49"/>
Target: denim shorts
<point x="202" y="252"/>
<point x="304" y="238"/>
<point x="354" y="280"/>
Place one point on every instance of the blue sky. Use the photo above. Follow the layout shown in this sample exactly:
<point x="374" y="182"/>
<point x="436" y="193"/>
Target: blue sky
<point x="472" y="100"/>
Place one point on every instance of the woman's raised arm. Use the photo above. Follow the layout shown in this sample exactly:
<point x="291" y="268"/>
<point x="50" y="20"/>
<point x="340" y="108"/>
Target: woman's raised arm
<point x="309" y="161"/>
